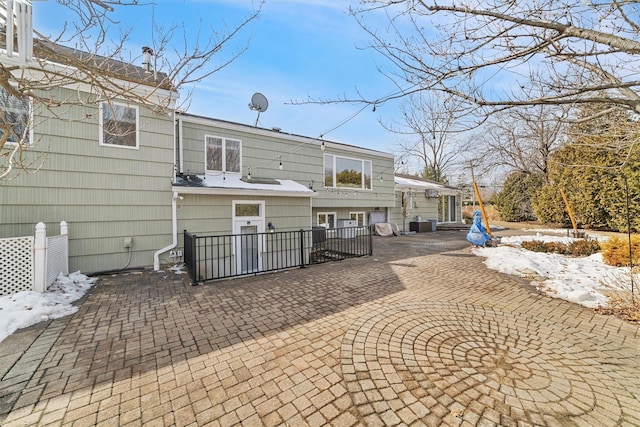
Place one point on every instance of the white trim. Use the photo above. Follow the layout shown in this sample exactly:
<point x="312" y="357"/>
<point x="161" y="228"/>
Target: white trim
<point x="224" y="140"/>
<point x="101" y="124"/>
<point x="335" y="219"/>
<point x="238" y="222"/>
<point x="454" y="208"/>
<point x="335" y="183"/>
<point x="261" y="212"/>
<point x="29" y="124"/>
<point x="364" y="217"/>
<point x="155" y="96"/>
<point x="242" y="192"/>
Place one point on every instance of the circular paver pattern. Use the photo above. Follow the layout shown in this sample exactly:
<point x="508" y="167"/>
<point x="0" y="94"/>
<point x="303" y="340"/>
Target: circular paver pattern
<point x="445" y="363"/>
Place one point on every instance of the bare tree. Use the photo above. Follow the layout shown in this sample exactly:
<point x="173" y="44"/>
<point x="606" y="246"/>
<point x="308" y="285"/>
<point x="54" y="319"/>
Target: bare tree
<point x="431" y="129"/>
<point x="36" y="64"/>
<point x="499" y="53"/>
<point x="523" y="138"/>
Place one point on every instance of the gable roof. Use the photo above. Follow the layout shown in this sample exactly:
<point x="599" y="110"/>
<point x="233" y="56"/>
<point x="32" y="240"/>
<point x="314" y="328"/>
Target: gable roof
<point x="105" y="66"/>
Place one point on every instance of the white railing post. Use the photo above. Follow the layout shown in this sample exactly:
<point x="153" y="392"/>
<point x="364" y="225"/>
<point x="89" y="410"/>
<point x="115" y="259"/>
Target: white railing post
<point x="64" y="231"/>
<point x="40" y="258"/>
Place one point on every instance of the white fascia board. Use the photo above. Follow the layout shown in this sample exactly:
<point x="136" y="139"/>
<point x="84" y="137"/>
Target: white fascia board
<point x="241" y="192"/>
<point x="157" y="96"/>
<point x="239" y="127"/>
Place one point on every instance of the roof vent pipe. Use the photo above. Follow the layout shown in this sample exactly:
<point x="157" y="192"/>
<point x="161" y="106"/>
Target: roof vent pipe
<point x="146" y="62"/>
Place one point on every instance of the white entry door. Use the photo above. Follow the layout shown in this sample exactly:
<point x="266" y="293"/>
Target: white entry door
<point x="248" y="222"/>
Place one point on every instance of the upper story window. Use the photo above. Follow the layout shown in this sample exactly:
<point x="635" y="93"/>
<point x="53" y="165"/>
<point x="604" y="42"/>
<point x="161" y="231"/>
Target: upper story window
<point x="16" y="118"/>
<point x="223" y="154"/>
<point x="347" y="172"/>
<point x="118" y="125"/>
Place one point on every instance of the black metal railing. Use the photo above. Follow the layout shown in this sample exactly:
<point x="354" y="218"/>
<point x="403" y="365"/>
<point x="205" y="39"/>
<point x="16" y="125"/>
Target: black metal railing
<point x="223" y="256"/>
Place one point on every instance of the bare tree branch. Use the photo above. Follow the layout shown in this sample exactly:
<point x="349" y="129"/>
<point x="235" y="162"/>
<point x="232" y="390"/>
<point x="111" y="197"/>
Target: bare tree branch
<point x="485" y="51"/>
<point x="85" y="54"/>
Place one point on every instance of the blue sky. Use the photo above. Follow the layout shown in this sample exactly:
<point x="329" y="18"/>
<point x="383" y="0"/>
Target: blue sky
<point x="297" y="49"/>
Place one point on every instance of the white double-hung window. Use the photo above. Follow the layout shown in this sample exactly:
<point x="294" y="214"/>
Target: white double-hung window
<point x="119" y="125"/>
<point x="16" y="118"/>
<point x="223" y="154"/>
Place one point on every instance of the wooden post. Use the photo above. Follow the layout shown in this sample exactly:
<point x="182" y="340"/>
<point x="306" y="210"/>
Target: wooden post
<point x="566" y="202"/>
<point x="484" y="215"/>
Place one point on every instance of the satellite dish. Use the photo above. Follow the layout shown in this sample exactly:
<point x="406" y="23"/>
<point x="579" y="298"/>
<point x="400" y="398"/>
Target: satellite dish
<point x="259" y="103"/>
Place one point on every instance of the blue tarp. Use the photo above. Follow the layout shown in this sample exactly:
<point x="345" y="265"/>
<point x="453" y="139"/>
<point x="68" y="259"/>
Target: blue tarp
<point x="477" y="234"/>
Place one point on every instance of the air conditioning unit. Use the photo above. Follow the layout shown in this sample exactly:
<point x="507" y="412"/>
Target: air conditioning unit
<point x="430" y="193"/>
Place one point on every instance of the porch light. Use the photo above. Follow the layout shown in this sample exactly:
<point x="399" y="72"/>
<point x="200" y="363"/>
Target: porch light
<point x="322" y="147"/>
<point x="271" y="228"/>
<point x="280" y="166"/>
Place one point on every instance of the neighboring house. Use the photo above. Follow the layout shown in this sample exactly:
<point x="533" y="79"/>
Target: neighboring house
<point x="418" y="199"/>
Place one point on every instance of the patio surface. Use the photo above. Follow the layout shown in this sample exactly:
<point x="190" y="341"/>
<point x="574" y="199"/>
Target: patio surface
<point x="421" y="333"/>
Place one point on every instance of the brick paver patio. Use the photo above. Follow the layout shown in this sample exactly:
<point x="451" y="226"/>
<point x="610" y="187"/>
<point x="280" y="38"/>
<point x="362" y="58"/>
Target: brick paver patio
<point x="421" y="333"/>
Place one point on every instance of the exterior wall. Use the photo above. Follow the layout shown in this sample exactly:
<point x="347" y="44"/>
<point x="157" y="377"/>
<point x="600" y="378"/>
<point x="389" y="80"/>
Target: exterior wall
<point x="104" y="193"/>
<point x="208" y="215"/>
<point x="212" y="215"/>
<point x="262" y="151"/>
<point x="426" y="208"/>
<point x="381" y="193"/>
<point x="302" y="159"/>
<point x="342" y="213"/>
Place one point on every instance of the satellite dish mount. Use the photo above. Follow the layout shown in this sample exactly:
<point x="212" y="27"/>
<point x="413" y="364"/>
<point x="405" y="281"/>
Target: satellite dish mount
<point x="258" y="103"/>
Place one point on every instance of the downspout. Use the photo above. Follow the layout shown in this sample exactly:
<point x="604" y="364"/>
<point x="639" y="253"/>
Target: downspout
<point x="174" y="211"/>
<point x="174" y="232"/>
<point x="180" y="141"/>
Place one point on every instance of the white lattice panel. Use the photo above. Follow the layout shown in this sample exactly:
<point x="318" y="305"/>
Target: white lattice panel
<point x="16" y="265"/>
<point x="57" y="257"/>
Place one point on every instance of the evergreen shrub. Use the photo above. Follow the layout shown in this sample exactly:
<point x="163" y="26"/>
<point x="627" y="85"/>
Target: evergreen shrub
<point x="615" y="250"/>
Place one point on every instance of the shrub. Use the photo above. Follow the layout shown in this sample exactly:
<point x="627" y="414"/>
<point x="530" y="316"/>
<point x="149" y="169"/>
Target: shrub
<point x="577" y="247"/>
<point x="549" y="207"/>
<point x="557" y="248"/>
<point x="583" y="247"/>
<point x="534" y="246"/>
<point x="514" y="201"/>
<point x="615" y="250"/>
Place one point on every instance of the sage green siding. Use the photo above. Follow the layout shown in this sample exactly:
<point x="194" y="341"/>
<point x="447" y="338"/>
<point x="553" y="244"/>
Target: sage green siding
<point x="382" y="184"/>
<point x="105" y="193"/>
<point x="212" y="214"/>
<point x="426" y="208"/>
<point x="302" y="161"/>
